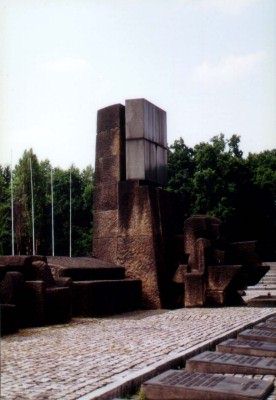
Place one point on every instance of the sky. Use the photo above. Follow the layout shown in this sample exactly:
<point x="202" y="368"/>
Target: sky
<point x="210" y="64"/>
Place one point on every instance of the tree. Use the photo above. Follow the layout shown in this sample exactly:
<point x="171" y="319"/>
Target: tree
<point x="82" y="192"/>
<point x="181" y="168"/>
<point x="217" y="180"/>
<point x="5" y="211"/>
<point x="22" y="201"/>
<point x="218" y="174"/>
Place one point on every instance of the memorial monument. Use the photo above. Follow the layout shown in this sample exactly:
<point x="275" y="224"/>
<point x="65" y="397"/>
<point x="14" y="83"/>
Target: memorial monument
<point x="140" y="226"/>
<point x="129" y="202"/>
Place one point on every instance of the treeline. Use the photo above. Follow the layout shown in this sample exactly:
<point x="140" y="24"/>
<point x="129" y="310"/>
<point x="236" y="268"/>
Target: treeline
<point x="82" y="192"/>
<point x="214" y="178"/>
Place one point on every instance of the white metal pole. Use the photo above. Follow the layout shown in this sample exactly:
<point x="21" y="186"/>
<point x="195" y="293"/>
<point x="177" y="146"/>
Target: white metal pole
<point x="70" y="222"/>
<point x="53" y="226"/>
<point x="12" y="206"/>
<point x="32" y="199"/>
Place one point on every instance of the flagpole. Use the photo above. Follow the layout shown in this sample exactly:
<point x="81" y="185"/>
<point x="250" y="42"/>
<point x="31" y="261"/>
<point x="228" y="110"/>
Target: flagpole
<point x="53" y="227"/>
<point x="12" y="211"/>
<point x="70" y="219"/>
<point x="32" y="199"/>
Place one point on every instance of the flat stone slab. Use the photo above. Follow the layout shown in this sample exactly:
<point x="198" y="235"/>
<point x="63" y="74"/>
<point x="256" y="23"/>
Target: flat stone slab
<point x="227" y="363"/>
<point x="262" y="301"/>
<point x="259" y="335"/>
<point x="267" y="326"/>
<point x="272" y="319"/>
<point x="247" y="347"/>
<point x="179" y="385"/>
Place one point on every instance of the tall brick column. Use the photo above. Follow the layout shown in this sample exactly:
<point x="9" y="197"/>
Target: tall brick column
<point x="109" y="170"/>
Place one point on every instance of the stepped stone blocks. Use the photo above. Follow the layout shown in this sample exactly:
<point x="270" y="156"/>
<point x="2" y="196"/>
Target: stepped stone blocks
<point x="105" y="297"/>
<point x="98" y="287"/>
<point x="216" y="270"/>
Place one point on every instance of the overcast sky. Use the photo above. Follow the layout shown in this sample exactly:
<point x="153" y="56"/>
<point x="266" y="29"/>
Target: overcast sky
<point x="210" y="64"/>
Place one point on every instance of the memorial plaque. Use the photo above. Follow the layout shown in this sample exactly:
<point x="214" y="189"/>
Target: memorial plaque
<point x="179" y="385"/>
<point x="248" y="347"/>
<point x="267" y="326"/>
<point x="271" y="319"/>
<point x="227" y="363"/>
<point x="258" y="334"/>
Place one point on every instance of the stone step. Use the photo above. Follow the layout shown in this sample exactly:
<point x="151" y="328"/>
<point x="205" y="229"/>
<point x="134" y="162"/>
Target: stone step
<point x="262" y="287"/>
<point x="258" y="335"/>
<point x="262" y="301"/>
<point x="270" y="326"/>
<point x="247" y="347"/>
<point x="270" y="273"/>
<point x="228" y="363"/>
<point x="268" y="284"/>
<point x="92" y="274"/>
<point x="269" y="277"/>
<point x="85" y="268"/>
<point x="179" y="385"/>
<point x="262" y="283"/>
<point x="105" y="297"/>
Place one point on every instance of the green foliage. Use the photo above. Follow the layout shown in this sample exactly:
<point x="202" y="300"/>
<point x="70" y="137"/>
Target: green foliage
<point x="216" y="180"/>
<point x="22" y="202"/>
<point x="141" y="395"/>
<point x="263" y="167"/>
<point x="181" y="169"/>
<point x="82" y="192"/>
<point x="5" y="210"/>
<point x="213" y="177"/>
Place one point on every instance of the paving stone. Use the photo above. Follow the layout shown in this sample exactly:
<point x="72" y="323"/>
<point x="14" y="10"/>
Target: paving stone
<point x="174" y="385"/>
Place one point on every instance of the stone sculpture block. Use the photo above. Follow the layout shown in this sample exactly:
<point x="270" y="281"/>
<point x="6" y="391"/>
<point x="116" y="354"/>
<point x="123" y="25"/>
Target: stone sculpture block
<point x="146" y="141"/>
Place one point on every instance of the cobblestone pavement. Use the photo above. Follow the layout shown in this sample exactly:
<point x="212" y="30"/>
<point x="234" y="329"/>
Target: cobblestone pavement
<point x="81" y="360"/>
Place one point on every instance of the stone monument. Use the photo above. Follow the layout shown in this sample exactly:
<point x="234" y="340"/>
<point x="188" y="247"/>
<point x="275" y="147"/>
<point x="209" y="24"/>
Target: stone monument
<point x="133" y="215"/>
<point x="139" y="225"/>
